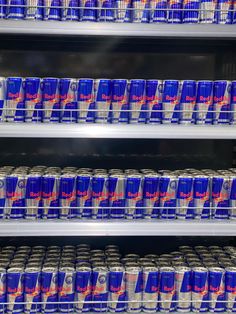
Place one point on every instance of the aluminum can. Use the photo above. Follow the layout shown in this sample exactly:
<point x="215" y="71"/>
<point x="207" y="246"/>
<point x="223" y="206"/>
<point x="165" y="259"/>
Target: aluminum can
<point x="15" y="193"/>
<point x="170" y="101"/>
<point x="230" y="288"/>
<point x="50" y="196"/>
<point x="200" y="294"/>
<point x="183" y="288"/>
<point x="3" y="9"/>
<point x="234" y="14"/>
<point x="134" y="196"/>
<point x="15" y="289"/>
<point x="137" y="101"/>
<point x="120" y="98"/>
<point x="2" y="87"/>
<point x="103" y="89"/>
<point x="233" y="103"/>
<point x="84" y="195"/>
<point x="116" y="288"/>
<point x="2" y="195"/>
<point x="123" y="11"/>
<point x="167" y="193"/>
<point x="150" y="288"/>
<point x="232" y="197"/>
<point x="175" y="12"/>
<point x="100" y="288"/>
<point x="16" y="10"/>
<point x="167" y="293"/>
<point x="88" y="13"/>
<point x="191" y="13"/>
<point x="33" y="195"/>
<point x="52" y="12"/>
<point x="134" y="287"/>
<point x="49" y="282"/>
<point x="70" y="11"/>
<point x="51" y="97"/>
<point x="83" y="292"/>
<point x="154" y="101"/>
<point x="221" y="101"/>
<point x="185" y="197"/>
<point x="216" y="289"/>
<point x="66" y="288"/>
<point x="220" y="197"/>
<point x="207" y="11"/>
<point x="32" y="289"/>
<point x="201" y="197"/>
<point x="67" y="196"/>
<point x="117" y="185"/>
<point x="158" y="12"/>
<point x="151" y="196"/>
<point x="224" y="15"/>
<point x="187" y="100"/>
<point x="3" y="292"/>
<point x="34" y="10"/>
<point x="100" y="196"/>
<point x="33" y="99"/>
<point x="141" y="11"/>
<point x="15" y="99"/>
<point x="106" y="11"/>
<point x="86" y="101"/>
<point x="68" y="90"/>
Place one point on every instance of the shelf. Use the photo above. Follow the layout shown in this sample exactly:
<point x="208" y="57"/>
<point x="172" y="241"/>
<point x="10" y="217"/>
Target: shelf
<point x="117" y="29"/>
<point x="117" y="131"/>
<point x="117" y="228"/>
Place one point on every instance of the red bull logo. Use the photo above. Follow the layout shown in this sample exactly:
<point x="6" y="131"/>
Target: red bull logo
<point x="134" y="195"/>
<point x="153" y="195"/>
<point x="67" y="97"/>
<point x="202" y="195"/>
<point x="35" y="195"/>
<point x="116" y="196"/>
<point x="203" y="289"/>
<point x="186" y="195"/>
<point x="50" y="195"/>
<point x="220" y="195"/>
<point x="207" y="99"/>
<point x="221" y="99"/>
<point x="32" y="96"/>
<point x="14" y="195"/>
<point x="68" y="195"/>
<point x="219" y="289"/>
<point x="32" y="291"/>
<point x="167" y="195"/>
<point x="85" y="97"/>
<point x="106" y="97"/>
<point x="50" y="96"/>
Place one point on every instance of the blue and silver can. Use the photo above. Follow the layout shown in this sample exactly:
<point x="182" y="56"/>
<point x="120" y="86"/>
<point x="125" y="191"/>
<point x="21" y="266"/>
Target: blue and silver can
<point x="187" y="102"/>
<point x="2" y="96"/>
<point x="15" y="289"/>
<point x="204" y="102"/>
<point x="16" y="9"/>
<point x="134" y="197"/>
<point x="49" y="288"/>
<point x="221" y="102"/>
<point x="230" y="288"/>
<point x="66" y="288"/>
<point x="106" y="11"/>
<point x="50" y="196"/>
<point x="117" y="185"/>
<point x="83" y="287"/>
<point x="175" y="11"/>
<point x="34" y="9"/>
<point x="15" y="99"/>
<point x="201" y="197"/>
<point x="100" y="288"/>
<point x="134" y="287"/>
<point x="100" y="196"/>
<point x="220" y="197"/>
<point x="70" y="10"/>
<point x="224" y="12"/>
<point x="207" y="11"/>
<point x="84" y="195"/>
<point x="86" y="101"/>
<point x="33" y="100"/>
<point x="185" y="197"/>
<point x="116" y="288"/>
<point x="151" y="196"/>
<point x="140" y="11"/>
<point x="51" y="99"/>
<point x="32" y="289"/>
<point x="158" y="12"/>
<point x="89" y="11"/>
<point x="67" y="196"/>
<point x="170" y="101"/>
<point x="167" y="195"/>
<point x="137" y="101"/>
<point x="216" y="289"/>
<point x="123" y="11"/>
<point x="233" y="103"/>
<point x="191" y="11"/>
<point x="102" y="100"/>
<point x="15" y="193"/>
<point x="150" y="287"/>
<point x="154" y="101"/>
<point x="120" y="101"/>
<point x="2" y="195"/>
<point x="52" y="10"/>
<point x="33" y="195"/>
<point x="68" y="100"/>
<point x="200" y="294"/>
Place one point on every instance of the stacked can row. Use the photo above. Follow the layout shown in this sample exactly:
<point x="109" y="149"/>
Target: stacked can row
<point x="117" y="101"/>
<point x="136" y="11"/>
<point x="70" y="193"/>
<point x="76" y="278"/>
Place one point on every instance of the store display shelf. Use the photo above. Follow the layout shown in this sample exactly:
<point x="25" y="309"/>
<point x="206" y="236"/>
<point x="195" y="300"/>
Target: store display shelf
<point x="117" y="29"/>
<point x="117" y="131"/>
<point x="117" y="228"/>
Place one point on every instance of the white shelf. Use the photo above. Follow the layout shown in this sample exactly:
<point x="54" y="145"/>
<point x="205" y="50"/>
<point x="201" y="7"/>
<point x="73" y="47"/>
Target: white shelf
<point x="117" y="29"/>
<point x="117" y="131"/>
<point x="117" y="228"/>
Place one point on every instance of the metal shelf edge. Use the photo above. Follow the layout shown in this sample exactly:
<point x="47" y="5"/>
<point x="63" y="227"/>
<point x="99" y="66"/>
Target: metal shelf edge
<point x="120" y="228"/>
<point x="117" y="131"/>
<point x="117" y="29"/>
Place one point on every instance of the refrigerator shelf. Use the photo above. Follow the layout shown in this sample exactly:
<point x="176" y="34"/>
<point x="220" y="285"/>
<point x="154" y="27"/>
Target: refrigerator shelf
<point x="117" y="29"/>
<point x="117" y="228"/>
<point x="128" y="131"/>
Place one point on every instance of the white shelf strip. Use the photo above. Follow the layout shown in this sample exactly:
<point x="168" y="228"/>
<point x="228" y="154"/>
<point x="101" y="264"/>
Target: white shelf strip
<point x="117" y="228"/>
